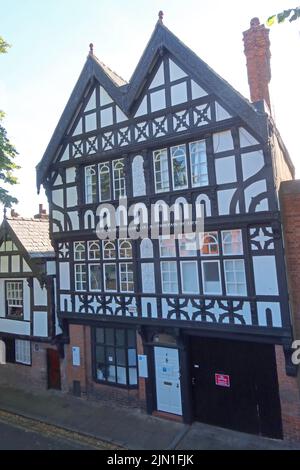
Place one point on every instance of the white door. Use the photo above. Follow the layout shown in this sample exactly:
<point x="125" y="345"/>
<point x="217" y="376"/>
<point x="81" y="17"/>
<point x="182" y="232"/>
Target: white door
<point x="168" y="390"/>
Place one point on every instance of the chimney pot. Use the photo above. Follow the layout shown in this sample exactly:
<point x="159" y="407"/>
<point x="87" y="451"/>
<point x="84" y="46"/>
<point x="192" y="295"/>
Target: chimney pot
<point x="257" y="51"/>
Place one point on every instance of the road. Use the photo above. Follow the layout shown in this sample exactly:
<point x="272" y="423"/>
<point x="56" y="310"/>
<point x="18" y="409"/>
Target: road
<point x="19" y="433"/>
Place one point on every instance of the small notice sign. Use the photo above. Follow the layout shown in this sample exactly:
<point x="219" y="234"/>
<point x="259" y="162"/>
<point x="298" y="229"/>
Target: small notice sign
<point x="222" y="380"/>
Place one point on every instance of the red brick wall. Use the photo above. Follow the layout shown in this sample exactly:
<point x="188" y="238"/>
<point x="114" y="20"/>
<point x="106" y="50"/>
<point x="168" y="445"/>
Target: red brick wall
<point x="33" y="377"/>
<point x="289" y="386"/>
<point x="80" y="336"/>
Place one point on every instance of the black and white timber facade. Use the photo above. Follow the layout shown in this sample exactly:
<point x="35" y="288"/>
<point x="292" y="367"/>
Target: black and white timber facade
<point x="176" y="133"/>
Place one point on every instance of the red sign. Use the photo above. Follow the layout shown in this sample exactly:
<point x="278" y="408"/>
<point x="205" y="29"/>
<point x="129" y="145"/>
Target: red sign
<point x="222" y="380"/>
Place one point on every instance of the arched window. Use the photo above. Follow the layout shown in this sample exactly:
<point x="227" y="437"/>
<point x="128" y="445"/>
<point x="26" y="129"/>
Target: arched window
<point x="90" y="184"/>
<point x="79" y="251"/>
<point x="104" y="182"/>
<point x="209" y="244"/>
<point x="93" y="250"/>
<point x="179" y="173"/>
<point x="161" y="170"/>
<point x="125" y="249"/>
<point x="199" y="172"/>
<point x="119" y="179"/>
<point x="109" y="250"/>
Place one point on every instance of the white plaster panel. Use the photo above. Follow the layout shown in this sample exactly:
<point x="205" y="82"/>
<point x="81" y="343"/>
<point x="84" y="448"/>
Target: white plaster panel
<point x="246" y="139"/>
<point x="158" y="100"/>
<point x="58" y="197"/>
<point x="90" y="122"/>
<point x="26" y="301"/>
<point x="92" y="102"/>
<point x="40" y="324"/>
<point x="148" y="278"/>
<point x="70" y="174"/>
<point x="197" y="91"/>
<point x="252" y="162"/>
<point x="59" y="217"/>
<point x="221" y="113"/>
<point x="72" y="196"/>
<point x="65" y="298"/>
<point x="138" y="176"/>
<point x="65" y="155"/>
<point x="159" y="78"/>
<point x="51" y="268"/>
<point x="89" y="220"/>
<point x="276" y="313"/>
<point x="225" y="170"/>
<point x="104" y="97"/>
<point x="224" y="200"/>
<point x="178" y="93"/>
<point x="2" y="298"/>
<point x="40" y="295"/>
<point x="107" y="117"/>
<point x="254" y="190"/>
<point x="26" y="268"/>
<point x="14" y="327"/>
<point x="146" y="248"/>
<point x="74" y="219"/>
<point x="175" y="72"/>
<point x="142" y="109"/>
<point x="120" y="115"/>
<point x="64" y="276"/>
<point x="223" y="141"/>
<point x="265" y="275"/>
<point x="4" y="264"/>
<point x="58" y="181"/>
<point x="15" y="263"/>
<point x="153" y="303"/>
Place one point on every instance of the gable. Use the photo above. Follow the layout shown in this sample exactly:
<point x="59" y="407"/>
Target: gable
<point x="169" y="84"/>
<point x="12" y="254"/>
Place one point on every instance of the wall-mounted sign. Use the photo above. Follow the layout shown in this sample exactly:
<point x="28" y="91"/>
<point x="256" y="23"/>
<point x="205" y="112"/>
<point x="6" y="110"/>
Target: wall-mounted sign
<point x="143" y="366"/>
<point x="222" y="380"/>
<point x="76" y="356"/>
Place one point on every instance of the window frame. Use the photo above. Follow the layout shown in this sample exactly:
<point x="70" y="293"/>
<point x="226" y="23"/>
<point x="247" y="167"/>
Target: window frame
<point x="104" y="277"/>
<point x="191" y="153"/>
<point x="90" y="277"/>
<point x="173" y="157"/>
<point x="195" y="262"/>
<point x="173" y="262"/>
<point x="231" y="260"/>
<point x="95" y="169"/>
<point x="213" y="234"/>
<point x="17" y="305"/>
<point x="119" y="178"/>
<point x="241" y="253"/>
<point x="203" y="277"/>
<point x="115" y="347"/>
<point x="157" y="153"/>
<point x="127" y="281"/>
<point x="29" y="352"/>
<point x="108" y="166"/>
<point x="86" y="282"/>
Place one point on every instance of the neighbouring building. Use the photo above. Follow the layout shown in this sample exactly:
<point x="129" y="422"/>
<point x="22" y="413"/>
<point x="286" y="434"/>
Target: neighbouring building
<point x="29" y="331"/>
<point x="204" y="321"/>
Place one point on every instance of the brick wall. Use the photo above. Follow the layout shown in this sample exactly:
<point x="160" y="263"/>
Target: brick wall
<point x="32" y="377"/>
<point x="80" y="336"/>
<point x="289" y="386"/>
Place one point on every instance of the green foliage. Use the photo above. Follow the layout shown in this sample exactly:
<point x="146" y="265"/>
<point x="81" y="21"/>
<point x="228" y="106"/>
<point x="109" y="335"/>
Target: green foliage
<point x="7" y="154"/>
<point x="292" y="14"/>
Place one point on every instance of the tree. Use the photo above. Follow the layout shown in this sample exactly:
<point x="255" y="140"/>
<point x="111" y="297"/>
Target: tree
<point x="292" y="14"/>
<point x="7" y="153"/>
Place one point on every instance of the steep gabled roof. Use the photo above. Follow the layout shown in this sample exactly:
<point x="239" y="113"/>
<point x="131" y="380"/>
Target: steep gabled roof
<point x="125" y="95"/>
<point x="33" y="235"/>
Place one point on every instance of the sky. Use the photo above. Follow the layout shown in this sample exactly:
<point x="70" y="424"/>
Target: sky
<point x="50" y="41"/>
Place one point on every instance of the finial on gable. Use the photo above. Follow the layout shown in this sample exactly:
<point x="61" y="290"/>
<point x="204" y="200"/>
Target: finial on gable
<point x="160" y="16"/>
<point x="92" y="48"/>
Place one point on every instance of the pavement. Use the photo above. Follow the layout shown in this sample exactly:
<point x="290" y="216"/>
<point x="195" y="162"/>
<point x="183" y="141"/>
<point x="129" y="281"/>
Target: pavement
<point x="128" y="428"/>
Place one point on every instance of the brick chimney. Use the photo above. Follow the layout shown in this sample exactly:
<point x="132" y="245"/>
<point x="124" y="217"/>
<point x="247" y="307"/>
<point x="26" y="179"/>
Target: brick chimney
<point x="257" y="51"/>
<point x="42" y="213"/>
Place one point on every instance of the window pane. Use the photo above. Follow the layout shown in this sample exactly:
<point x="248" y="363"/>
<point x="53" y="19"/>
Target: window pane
<point x="187" y="245"/>
<point x="209" y="244"/>
<point x="120" y="337"/>
<point x="79" y="251"/>
<point x="104" y="182"/>
<point x="95" y="277"/>
<point x="109" y="336"/>
<point x="121" y="375"/>
<point x="111" y="377"/>
<point x="100" y="356"/>
<point x="232" y="242"/>
<point x="110" y="356"/>
<point x="110" y="277"/>
<point x="90" y="184"/>
<point x="121" y="357"/>
<point x="169" y="277"/>
<point x="131" y="357"/>
<point x="211" y="277"/>
<point x="189" y="275"/>
<point x="198" y="157"/>
<point x="179" y="167"/>
<point x="109" y="250"/>
<point x="131" y="338"/>
<point x="119" y="179"/>
<point x="125" y="249"/>
<point x="167" y="247"/>
<point x="132" y="376"/>
<point x="235" y="277"/>
<point x="100" y="335"/>
<point x="93" y="250"/>
<point x="161" y="170"/>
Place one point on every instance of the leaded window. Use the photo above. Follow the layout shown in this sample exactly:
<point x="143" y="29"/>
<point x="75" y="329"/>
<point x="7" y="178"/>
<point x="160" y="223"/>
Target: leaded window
<point x="116" y="356"/>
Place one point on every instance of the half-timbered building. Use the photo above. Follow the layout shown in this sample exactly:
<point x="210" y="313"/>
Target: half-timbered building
<point x="200" y="320"/>
<point x="28" y="322"/>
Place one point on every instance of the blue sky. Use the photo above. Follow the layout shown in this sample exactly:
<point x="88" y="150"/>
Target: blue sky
<point x="50" y="41"/>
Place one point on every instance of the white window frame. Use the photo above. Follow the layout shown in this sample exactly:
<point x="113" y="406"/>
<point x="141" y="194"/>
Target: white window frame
<point x="90" y="277"/>
<point x="15" y="293"/>
<point x="157" y="154"/>
<point x="119" y="178"/>
<point x="182" y="238"/>
<point x="203" y="277"/>
<point x="235" y="282"/>
<point x="76" y="245"/>
<point x="101" y="166"/>
<point x="174" y="157"/>
<point x="181" y="273"/>
<point x="214" y="235"/>
<point x="107" y="242"/>
<point x="127" y="249"/>
<point x="127" y="282"/>
<point x="200" y="164"/>
<point x="170" y="238"/>
<point x="90" y="184"/>
<point x="232" y="253"/>
<point x="169" y="282"/>
<point x="23" y="352"/>
<point x="104" y="277"/>
<point x="81" y="272"/>
<point x="90" y="251"/>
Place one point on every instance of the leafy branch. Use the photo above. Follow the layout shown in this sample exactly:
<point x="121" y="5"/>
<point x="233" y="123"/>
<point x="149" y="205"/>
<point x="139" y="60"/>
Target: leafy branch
<point x="292" y="14"/>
